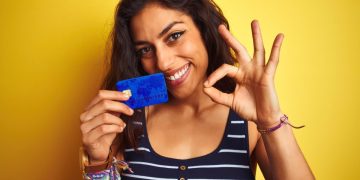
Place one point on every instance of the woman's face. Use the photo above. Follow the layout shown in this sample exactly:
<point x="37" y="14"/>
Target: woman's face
<point x="168" y="41"/>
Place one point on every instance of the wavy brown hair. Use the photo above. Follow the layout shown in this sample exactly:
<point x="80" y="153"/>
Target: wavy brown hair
<point x="124" y="63"/>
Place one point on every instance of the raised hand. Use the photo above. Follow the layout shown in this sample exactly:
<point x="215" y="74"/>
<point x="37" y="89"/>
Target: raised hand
<point x="255" y="96"/>
<point x="100" y="123"/>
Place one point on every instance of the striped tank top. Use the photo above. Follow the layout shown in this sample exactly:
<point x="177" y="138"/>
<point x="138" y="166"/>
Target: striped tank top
<point x="230" y="160"/>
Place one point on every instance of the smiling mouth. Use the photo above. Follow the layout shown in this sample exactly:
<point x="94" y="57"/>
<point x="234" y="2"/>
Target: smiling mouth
<point x="179" y="74"/>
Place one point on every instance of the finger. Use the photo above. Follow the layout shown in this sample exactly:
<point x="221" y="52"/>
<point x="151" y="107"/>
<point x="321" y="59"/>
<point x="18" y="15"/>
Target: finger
<point x="240" y="51"/>
<point x="218" y="96"/>
<point x="222" y="71"/>
<point x="99" y="131"/>
<point x="106" y="106"/>
<point x="117" y="114"/>
<point x="274" y="56"/>
<point x="259" y="50"/>
<point x="107" y="94"/>
<point x="105" y="118"/>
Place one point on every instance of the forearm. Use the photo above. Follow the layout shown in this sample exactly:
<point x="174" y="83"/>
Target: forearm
<point x="285" y="157"/>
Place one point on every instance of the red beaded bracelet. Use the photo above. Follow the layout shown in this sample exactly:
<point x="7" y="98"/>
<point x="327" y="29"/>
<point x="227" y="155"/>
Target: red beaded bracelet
<point x="283" y="121"/>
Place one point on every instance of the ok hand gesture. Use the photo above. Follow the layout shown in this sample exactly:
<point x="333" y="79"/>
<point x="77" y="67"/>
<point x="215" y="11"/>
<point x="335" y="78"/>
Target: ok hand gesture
<point x="254" y="97"/>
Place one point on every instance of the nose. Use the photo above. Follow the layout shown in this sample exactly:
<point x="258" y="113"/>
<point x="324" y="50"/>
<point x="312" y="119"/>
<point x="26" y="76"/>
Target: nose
<point x="165" y="57"/>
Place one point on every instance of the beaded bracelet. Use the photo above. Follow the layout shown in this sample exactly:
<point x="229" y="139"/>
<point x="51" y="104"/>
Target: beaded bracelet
<point x="113" y="173"/>
<point x="283" y="121"/>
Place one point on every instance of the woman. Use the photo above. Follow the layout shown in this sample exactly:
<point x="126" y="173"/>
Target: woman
<point x="214" y="85"/>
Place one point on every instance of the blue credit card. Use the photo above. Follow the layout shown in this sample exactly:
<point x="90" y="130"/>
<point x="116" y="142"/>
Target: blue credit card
<point x="144" y="91"/>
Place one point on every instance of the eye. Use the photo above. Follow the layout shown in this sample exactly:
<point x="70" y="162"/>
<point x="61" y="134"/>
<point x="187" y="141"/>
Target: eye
<point x="175" y="36"/>
<point x="144" y="52"/>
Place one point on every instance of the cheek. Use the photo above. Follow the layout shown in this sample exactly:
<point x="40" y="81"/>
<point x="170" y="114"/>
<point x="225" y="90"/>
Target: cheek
<point x="148" y="66"/>
<point x="197" y="52"/>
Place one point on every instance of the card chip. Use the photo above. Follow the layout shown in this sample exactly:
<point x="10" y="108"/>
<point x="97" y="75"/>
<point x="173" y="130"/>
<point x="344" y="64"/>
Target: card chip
<point x="127" y="92"/>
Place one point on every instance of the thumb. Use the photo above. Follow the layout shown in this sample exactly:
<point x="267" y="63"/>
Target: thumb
<point x="218" y="96"/>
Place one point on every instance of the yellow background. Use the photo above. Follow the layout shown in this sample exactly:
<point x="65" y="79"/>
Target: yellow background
<point x="51" y="65"/>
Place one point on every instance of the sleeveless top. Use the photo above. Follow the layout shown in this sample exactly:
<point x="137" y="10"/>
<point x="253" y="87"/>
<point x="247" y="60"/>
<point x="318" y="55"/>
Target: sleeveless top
<point x="230" y="160"/>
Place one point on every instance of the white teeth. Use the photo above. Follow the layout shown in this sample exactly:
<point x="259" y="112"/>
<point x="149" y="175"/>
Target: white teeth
<point x="178" y="74"/>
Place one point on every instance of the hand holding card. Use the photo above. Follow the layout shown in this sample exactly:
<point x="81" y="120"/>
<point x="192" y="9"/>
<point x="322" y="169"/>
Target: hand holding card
<point x="144" y="91"/>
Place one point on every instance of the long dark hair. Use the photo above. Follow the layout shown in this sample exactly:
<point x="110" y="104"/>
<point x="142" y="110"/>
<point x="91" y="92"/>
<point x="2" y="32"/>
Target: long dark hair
<point x="124" y="63"/>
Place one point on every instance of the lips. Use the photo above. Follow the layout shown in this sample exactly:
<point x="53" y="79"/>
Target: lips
<point x="177" y="76"/>
<point x="178" y="73"/>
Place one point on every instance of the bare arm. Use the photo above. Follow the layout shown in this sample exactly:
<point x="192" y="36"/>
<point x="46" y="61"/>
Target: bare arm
<point x="286" y="160"/>
<point x="280" y="157"/>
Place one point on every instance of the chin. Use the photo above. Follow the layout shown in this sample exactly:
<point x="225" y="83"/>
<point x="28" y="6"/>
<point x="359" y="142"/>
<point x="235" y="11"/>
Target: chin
<point x="186" y="92"/>
<point x="178" y="94"/>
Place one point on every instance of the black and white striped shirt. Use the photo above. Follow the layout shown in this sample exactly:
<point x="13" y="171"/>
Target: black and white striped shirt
<point x="230" y="160"/>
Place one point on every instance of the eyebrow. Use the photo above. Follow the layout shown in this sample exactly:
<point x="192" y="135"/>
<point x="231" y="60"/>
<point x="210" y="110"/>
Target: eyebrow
<point x="164" y="31"/>
<point x="168" y="27"/>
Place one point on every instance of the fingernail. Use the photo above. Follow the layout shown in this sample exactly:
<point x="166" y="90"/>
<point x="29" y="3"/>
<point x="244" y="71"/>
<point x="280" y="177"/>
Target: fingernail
<point x="206" y="83"/>
<point x="127" y="93"/>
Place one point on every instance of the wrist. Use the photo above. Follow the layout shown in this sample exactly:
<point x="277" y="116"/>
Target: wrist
<point x="97" y="162"/>
<point x="283" y="120"/>
<point x="269" y="121"/>
<point x="101" y="159"/>
<point x="96" y="165"/>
